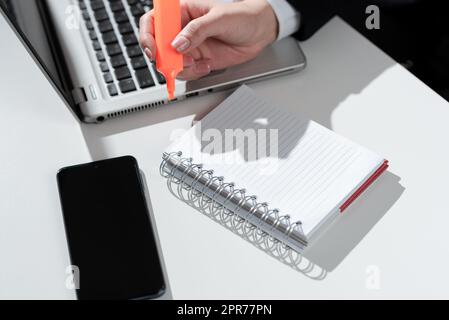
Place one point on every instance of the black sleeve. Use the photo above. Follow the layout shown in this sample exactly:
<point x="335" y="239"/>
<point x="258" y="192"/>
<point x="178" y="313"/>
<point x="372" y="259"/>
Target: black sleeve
<point x="314" y="14"/>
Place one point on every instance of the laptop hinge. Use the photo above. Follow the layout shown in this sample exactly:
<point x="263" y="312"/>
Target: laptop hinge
<point x="79" y="95"/>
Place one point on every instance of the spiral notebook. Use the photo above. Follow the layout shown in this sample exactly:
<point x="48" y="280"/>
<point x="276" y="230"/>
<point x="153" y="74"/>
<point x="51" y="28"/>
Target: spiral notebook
<point x="287" y="176"/>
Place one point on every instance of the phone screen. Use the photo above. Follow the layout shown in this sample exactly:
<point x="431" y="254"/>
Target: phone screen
<point x="109" y="231"/>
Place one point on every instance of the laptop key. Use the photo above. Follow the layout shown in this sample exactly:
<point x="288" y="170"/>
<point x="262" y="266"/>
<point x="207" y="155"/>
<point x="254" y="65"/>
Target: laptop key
<point x="109" y="37"/>
<point x="144" y="78"/>
<point x="125" y="28"/>
<point x="97" y="5"/>
<point x="116" y="6"/>
<point x="121" y="16"/>
<point x="93" y="35"/>
<point x="86" y="15"/>
<point x="122" y="73"/>
<point x="101" y="15"/>
<point x="134" y="51"/>
<point x="147" y="4"/>
<point x="113" y="49"/>
<point x="105" y="26"/>
<point x="89" y="25"/>
<point x="112" y="90"/>
<point x="129" y="39"/>
<point x="100" y="56"/>
<point x="104" y="67"/>
<point x="118" y="61"/>
<point x="127" y="85"/>
<point x="137" y="10"/>
<point x="160" y="78"/>
<point x="97" y="45"/>
<point x="108" y="77"/>
<point x="138" y="63"/>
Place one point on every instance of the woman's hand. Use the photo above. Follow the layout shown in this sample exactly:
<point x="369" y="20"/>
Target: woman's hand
<point x="216" y="35"/>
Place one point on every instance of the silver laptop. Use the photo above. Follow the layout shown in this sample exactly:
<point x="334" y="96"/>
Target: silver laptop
<point x="89" y="50"/>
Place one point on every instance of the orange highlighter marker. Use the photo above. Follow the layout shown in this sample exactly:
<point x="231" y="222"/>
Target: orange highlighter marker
<point x="167" y="25"/>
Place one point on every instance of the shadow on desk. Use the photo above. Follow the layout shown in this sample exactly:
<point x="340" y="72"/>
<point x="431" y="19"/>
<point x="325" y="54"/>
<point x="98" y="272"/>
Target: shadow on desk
<point x="95" y="134"/>
<point x="246" y="231"/>
<point x="341" y="63"/>
<point x="326" y="252"/>
<point x="348" y="230"/>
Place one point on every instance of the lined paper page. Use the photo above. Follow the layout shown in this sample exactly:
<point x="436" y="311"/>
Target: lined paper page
<point x="296" y="165"/>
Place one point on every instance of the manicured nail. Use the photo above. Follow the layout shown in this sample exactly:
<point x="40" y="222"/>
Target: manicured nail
<point x="181" y="43"/>
<point x="149" y="54"/>
<point x="202" y="68"/>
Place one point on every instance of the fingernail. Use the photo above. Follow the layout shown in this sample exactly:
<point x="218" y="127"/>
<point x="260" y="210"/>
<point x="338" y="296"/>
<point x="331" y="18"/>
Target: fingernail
<point x="181" y="43"/>
<point x="202" y="68"/>
<point x="149" y="54"/>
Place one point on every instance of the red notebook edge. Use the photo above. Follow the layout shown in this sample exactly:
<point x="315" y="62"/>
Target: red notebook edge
<point x="365" y="185"/>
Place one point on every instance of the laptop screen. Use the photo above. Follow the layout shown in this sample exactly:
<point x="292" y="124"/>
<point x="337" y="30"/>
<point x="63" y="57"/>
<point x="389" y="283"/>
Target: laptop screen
<point x="26" y="17"/>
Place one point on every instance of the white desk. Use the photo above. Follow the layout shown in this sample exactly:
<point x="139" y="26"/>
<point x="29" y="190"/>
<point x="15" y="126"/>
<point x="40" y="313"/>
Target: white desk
<point x="398" y="231"/>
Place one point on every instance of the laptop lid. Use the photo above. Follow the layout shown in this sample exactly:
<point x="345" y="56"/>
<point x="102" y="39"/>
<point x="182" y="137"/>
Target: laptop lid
<point x="32" y="25"/>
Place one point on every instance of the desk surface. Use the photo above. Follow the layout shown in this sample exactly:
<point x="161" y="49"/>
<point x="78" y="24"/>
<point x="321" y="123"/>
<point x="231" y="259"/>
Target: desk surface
<point x="376" y="250"/>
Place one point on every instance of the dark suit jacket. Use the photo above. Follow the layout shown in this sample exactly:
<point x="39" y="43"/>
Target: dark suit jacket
<point x="412" y="31"/>
<point x="315" y="13"/>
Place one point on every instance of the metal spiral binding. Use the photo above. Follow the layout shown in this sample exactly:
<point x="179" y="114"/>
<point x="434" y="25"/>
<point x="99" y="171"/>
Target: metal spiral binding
<point x="231" y="207"/>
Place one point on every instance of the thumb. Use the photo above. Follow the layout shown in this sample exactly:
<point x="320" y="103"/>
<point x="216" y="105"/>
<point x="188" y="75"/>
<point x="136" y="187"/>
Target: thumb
<point x="197" y="31"/>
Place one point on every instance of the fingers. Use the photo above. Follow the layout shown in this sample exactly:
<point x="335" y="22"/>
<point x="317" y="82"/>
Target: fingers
<point x="196" y="70"/>
<point x="198" y="30"/>
<point x="147" y="41"/>
<point x="188" y="61"/>
<point x="194" y="33"/>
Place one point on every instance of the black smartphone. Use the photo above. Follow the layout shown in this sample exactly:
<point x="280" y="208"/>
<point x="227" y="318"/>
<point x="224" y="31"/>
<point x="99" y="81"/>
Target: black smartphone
<point x="109" y="231"/>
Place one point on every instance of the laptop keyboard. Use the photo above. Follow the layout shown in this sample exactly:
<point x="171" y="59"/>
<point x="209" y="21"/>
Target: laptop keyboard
<point x="113" y="29"/>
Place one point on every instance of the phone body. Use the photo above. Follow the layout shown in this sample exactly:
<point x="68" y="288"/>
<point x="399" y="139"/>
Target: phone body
<point x="109" y="232"/>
